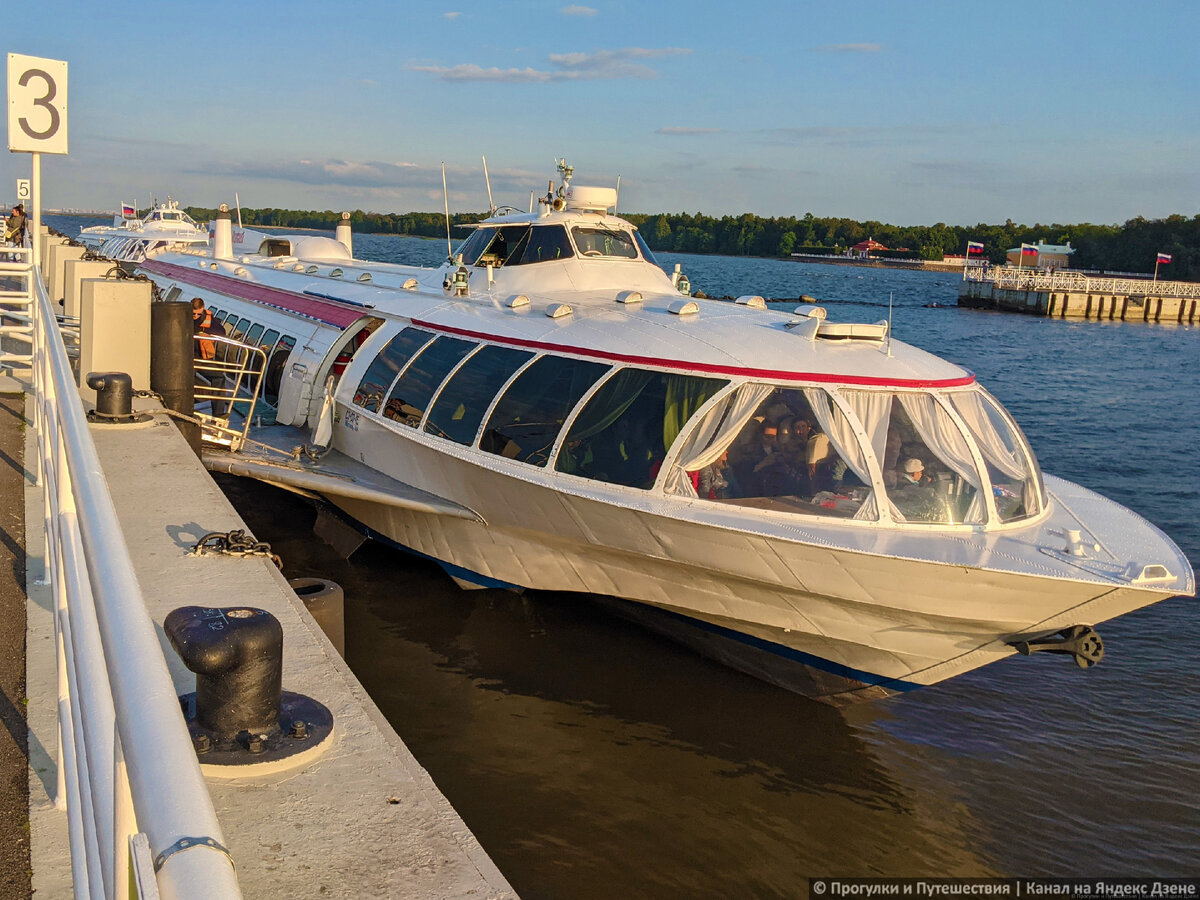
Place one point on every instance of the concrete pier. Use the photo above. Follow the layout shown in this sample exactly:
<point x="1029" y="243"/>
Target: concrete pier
<point x="362" y="819"/>
<point x="1067" y="295"/>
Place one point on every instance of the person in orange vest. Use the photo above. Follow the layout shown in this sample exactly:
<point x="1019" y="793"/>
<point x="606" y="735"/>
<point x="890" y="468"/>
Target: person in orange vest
<point x="202" y="323"/>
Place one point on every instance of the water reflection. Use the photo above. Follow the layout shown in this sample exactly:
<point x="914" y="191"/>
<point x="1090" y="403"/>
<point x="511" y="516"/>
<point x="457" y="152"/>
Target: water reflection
<point x="593" y="759"/>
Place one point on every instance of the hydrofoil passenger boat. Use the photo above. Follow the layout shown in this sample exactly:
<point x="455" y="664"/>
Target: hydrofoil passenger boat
<point x="812" y="502"/>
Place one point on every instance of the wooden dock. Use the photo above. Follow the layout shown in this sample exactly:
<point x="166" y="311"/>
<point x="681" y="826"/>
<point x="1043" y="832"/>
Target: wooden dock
<point x="1073" y="295"/>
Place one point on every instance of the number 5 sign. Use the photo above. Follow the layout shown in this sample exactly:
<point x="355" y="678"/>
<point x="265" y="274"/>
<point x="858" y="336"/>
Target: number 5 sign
<point x="37" y="104"/>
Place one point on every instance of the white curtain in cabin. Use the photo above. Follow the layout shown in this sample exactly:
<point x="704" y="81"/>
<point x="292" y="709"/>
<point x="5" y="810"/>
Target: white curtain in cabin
<point x="942" y="437"/>
<point x="874" y="411"/>
<point x="994" y="448"/>
<point x="841" y="434"/>
<point x="712" y="435"/>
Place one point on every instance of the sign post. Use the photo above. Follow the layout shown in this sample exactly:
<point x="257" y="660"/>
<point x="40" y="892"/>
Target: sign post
<point x="37" y="122"/>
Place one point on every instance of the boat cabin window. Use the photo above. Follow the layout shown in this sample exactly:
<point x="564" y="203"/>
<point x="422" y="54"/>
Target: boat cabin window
<point x="460" y="406"/>
<point x="384" y="368"/>
<point x="415" y="388"/>
<point x="545" y="243"/>
<point x="623" y="433"/>
<point x="775" y="448"/>
<point x="515" y="245"/>
<point x="268" y="341"/>
<point x="173" y="294"/>
<point x="647" y="253"/>
<point x="239" y="329"/>
<point x="220" y="315"/>
<point x="599" y="241"/>
<point x="928" y="469"/>
<point x="530" y="414"/>
<point x="1011" y="466"/>
<point x="275" y="247"/>
<point x="254" y="334"/>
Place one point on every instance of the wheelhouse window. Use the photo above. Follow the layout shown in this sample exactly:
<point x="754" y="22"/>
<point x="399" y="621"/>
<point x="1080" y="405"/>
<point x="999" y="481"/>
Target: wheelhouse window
<point x="384" y="368"/>
<point x="414" y="389"/>
<point x="530" y="414"/>
<point x="600" y="241"/>
<point x="775" y="448"/>
<point x="515" y="245"/>
<point x="460" y="406"/>
<point x="624" y="432"/>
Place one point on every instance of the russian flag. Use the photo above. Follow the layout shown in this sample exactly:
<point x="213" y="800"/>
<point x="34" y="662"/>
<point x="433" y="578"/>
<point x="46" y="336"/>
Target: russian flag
<point x="1028" y="250"/>
<point x="128" y="211"/>
<point x="1164" y="257"/>
<point x="974" y="247"/>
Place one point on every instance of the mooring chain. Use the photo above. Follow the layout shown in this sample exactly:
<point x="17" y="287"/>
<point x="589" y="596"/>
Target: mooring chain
<point x="235" y="543"/>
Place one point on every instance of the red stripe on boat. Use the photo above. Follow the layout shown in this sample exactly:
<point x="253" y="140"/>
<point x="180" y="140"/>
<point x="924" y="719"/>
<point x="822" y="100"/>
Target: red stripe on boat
<point x="290" y="301"/>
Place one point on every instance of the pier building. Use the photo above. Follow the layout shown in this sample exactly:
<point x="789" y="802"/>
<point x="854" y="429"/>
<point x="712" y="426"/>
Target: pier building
<point x="1073" y="295"/>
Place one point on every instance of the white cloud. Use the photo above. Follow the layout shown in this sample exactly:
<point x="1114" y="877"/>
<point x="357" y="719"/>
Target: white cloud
<point x="679" y="130"/>
<point x="577" y="11"/>
<point x="600" y="65"/>
<point x="451" y="15"/>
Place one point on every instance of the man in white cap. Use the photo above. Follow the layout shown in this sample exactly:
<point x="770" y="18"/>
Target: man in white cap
<point x="914" y="496"/>
<point x="914" y="472"/>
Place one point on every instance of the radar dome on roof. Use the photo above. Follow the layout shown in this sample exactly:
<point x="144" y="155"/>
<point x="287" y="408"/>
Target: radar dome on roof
<point x="593" y="199"/>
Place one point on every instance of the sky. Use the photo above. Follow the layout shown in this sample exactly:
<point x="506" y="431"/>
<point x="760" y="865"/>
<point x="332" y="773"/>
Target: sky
<point x="902" y="112"/>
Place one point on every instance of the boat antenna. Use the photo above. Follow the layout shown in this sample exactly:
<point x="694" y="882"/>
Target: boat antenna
<point x="889" y="339"/>
<point x="531" y="193"/>
<point x="618" y="200"/>
<point x="238" y="202"/>
<point x="446" y="200"/>
<point x="491" y="205"/>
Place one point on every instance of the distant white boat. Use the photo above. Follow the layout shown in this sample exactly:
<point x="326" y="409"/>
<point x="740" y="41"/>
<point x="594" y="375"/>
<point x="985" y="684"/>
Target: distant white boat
<point x="131" y="239"/>
<point x="811" y="502"/>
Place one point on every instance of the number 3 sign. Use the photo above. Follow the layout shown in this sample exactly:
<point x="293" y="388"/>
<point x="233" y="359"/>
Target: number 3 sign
<point x="37" y="104"/>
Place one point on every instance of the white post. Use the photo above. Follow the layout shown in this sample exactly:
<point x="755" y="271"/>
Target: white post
<point x="36" y="178"/>
<point x="1156" y="267"/>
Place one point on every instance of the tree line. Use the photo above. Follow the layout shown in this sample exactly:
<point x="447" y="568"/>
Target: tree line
<point x="1131" y="247"/>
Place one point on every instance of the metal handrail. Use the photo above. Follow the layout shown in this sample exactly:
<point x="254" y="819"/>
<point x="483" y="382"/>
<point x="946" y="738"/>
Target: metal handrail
<point x="1018" y="279"/>
<point x="229" y="381"/>
<point x="125" y="755"/>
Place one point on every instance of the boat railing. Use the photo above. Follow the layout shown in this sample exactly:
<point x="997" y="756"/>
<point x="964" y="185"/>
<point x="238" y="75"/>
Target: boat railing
<point x="127" y="774"/>
<point x="228" y="385"/>
<point x="1015" y="278"/>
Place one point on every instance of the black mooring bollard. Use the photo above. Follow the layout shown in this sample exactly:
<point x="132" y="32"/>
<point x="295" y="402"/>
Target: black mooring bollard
<point x="171" y="355"/>
<point x="237" y="655"/>
<point x="114" y="394"/>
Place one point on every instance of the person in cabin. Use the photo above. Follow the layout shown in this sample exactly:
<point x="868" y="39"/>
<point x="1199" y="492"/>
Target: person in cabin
<point x="15" y="226"/>
<point x="914" y="493"/>
<point x="202" y="324"/>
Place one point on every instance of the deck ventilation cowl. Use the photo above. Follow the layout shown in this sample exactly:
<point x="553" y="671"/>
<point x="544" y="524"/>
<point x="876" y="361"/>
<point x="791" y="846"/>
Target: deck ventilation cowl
<point x="558" y="310"/>
<point x="685" y="308"/>
<point x="516" y="301"/>
<point x="629" y="297"/>
<point x="752" y="300"/>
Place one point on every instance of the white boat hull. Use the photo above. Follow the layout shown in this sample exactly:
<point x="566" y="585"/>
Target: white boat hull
<point x="834" y="624"/>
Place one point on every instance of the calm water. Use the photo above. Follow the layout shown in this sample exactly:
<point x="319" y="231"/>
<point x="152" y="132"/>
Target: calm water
<point x="593" y="760"/>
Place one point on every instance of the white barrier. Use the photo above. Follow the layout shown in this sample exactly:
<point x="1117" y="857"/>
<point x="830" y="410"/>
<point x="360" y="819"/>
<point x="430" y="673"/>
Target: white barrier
<point x="126" y="762"/>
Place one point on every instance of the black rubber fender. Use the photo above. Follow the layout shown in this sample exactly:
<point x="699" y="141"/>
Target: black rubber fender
<point x="326" y="602"/>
